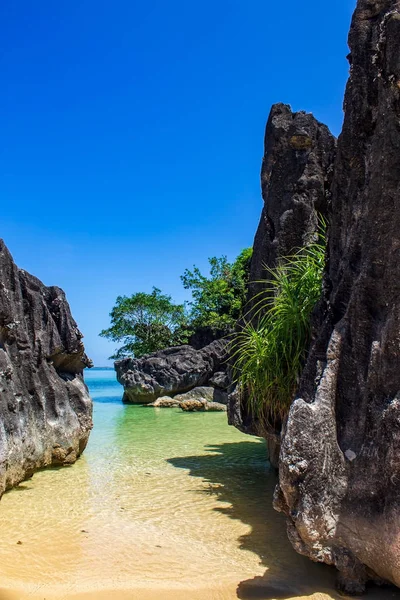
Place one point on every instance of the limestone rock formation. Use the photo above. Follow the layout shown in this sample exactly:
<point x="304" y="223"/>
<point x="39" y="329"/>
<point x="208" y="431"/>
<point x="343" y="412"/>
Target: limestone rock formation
<point x="169" y="372"/>
<point x="45" y="409"/>
<point x="296" y="177"/>
<point x="204" y="336"/>
<point x="339" y="463"/>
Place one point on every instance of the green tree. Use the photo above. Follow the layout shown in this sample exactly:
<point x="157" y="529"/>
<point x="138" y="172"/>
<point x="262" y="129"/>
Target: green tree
<point x="217" y="300"/>
<point x="145" y="323"/>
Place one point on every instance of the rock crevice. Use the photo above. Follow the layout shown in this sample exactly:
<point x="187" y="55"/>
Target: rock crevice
<point x="171" y="371"/>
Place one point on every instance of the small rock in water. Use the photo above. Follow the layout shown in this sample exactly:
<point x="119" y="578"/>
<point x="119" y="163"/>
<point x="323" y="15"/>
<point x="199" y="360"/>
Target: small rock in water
<point x="164" y="402"/>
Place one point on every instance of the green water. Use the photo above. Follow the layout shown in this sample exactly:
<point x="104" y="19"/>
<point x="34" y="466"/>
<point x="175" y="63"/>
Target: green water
<point x="160" y="499"/>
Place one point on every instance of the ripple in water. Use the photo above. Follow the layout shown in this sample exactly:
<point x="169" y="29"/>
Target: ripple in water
<point x="163" y="503"/>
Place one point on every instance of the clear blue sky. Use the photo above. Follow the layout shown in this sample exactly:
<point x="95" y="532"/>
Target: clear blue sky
<point x="132" y="133"/>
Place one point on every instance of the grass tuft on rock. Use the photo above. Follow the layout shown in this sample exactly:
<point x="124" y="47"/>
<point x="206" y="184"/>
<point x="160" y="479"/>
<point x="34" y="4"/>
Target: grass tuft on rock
<point x="269" y="352"/>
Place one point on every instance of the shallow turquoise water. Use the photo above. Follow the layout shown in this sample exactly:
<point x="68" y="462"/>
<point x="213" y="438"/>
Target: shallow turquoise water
<point x="160" y="499"/>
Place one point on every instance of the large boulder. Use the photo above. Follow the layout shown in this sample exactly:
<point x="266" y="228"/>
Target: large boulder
<point x="296" y="177"/>
<point x="169" y="372"/>
<point x="164" y="402"/>
<point x="339" y="464"/>
<point x="45" y="409"/>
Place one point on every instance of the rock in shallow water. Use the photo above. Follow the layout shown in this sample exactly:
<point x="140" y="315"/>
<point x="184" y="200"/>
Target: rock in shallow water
<point x="45" y="408"/>
<point x="169" y="372"/>
<point x="164" y="402"/>
<point x="339" y="463"/>
<point x="200" y="404"/>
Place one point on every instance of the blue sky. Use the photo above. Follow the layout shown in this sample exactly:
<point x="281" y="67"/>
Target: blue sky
<point x="132" y="133"/>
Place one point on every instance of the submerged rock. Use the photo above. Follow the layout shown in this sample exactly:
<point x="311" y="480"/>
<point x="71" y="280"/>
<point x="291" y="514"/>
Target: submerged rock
<point x="296" y="176"/>
<point x="339" y="463"/>
<point x="164" y="402"/>
<point x="201" y="404"/>
<point x="169" y="372"/>
<point x="207" y="394"/>
<point x="45" y="409"/>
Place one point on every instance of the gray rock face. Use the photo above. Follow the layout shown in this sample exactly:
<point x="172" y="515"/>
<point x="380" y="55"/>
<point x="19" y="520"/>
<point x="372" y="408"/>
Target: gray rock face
<point x="339" y="463"/>
<point x="296" y="177"/>
<point x="220" y="381"/>
<point x="169" y="372"/>
<point x="204" y="336"/>
<point x="45" y="409"/>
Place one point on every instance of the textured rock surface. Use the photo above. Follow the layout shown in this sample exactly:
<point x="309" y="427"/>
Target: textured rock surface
<point x="164" y="402"/>
<point x="340" y="458"/>
<point x="169" y="372"/>
<point x="203" y="393"/>
<point x="296" y="179"/>
<point x="45" y="409"/>
<point x="204" y="336"/>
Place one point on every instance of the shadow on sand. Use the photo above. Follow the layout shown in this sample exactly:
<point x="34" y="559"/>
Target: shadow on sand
<point x="239" y="474"/>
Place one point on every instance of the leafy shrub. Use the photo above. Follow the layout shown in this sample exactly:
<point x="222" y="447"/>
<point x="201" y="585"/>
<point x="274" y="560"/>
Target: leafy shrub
<point x="217" y="300"/>
<point x="269" y="352"/>
<point x="146" y="323"/>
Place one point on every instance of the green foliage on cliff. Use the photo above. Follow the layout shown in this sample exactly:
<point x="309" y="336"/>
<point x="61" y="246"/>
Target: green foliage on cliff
<point x="217" y="300"/>
<point x="145" y="323"/>
<point x="269" y="352"/>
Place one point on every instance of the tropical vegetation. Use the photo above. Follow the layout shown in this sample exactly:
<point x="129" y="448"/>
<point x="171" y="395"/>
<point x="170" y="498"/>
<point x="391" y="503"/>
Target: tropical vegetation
<point x="147" y="322"/>
<point x="217" y="300"/>
<point x="270" y="348"/>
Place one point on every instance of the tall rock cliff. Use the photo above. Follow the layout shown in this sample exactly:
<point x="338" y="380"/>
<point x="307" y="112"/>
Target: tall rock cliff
<point x="296" y="177"/>
<point x="340" y="457"/>
<point x="45" y="409"/>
